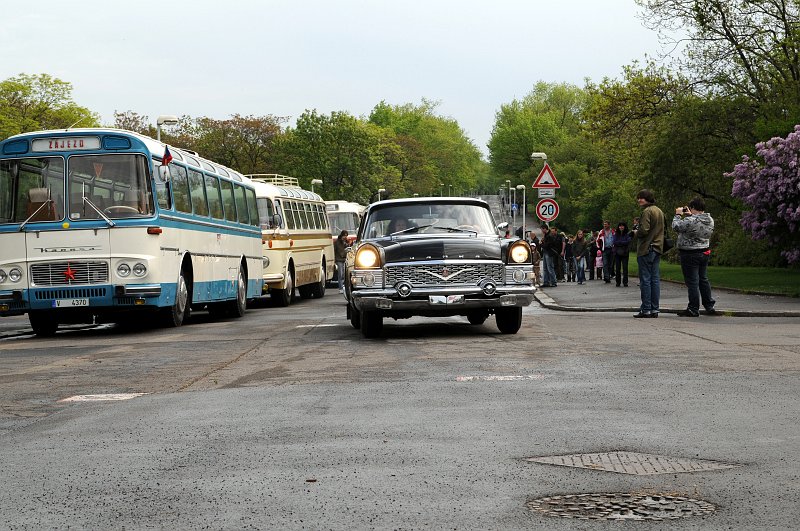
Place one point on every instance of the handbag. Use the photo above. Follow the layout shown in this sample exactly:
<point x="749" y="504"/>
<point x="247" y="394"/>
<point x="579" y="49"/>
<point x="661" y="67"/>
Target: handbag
<point x="669" y="243"/>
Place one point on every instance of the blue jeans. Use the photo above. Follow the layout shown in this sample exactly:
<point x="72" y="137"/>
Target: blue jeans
<point x="580" y="269"/>
<point x="549" y="269"/>
<point x="694" y="266"/>
<point x="649" y="281"/>
<point x="340" y="274"/>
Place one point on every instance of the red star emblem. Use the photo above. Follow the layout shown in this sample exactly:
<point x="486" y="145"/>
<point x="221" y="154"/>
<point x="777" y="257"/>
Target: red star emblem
<point x="69" y="273"/>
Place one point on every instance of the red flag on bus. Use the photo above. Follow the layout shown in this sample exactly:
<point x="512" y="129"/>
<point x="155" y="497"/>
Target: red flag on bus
<point x="167" y="156"/>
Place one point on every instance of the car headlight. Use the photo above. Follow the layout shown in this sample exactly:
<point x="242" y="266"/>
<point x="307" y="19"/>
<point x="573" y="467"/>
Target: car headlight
<point x="3" y="275"/>
<point x="367" y="257"/>
<point x="520" y="253"/>
<point x="140" y="269"/>
<point x="123" y="270"/>
<point x="15" y="275"/>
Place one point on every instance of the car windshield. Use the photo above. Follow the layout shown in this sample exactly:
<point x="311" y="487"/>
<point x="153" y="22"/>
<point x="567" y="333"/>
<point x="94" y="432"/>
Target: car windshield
<point x="393" y="220"/>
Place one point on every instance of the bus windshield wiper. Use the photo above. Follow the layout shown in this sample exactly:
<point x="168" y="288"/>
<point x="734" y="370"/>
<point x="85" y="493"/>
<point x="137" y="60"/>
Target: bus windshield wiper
<point x="47" y="202"/>
<point x="86" y="200"/>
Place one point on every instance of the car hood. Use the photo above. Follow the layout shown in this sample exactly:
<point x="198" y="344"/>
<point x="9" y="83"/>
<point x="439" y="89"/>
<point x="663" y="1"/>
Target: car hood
<point x="405" y="249"/>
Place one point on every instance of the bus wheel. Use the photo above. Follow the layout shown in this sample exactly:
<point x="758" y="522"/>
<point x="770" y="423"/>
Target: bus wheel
<point x="176" y="315"/>
<point x="239" y="306"/>
<point x="318" y="289"/>
<point x="371" y="324"/>
<point x="283" y="297"/>
<point x="43" y="325"/>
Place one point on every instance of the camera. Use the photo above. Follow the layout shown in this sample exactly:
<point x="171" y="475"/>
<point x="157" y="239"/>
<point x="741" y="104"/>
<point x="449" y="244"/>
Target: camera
<point x="685" y="210"/>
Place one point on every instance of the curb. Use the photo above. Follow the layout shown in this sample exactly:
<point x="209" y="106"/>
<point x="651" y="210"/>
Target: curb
<point x="547" y="302"/>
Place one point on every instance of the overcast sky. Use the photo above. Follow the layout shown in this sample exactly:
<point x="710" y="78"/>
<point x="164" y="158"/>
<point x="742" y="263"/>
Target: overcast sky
<point x="281" y="57"/>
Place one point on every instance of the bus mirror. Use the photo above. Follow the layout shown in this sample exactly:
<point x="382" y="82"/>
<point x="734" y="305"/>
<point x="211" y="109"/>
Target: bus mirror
<point x="163" y="173"/>
<point x="276" y="221"/>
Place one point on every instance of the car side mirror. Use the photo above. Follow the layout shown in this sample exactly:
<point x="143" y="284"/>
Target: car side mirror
<point x="502" y="226"/>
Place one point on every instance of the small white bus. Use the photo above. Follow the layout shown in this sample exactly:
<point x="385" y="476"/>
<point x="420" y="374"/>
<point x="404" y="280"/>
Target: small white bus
<point x="296" y="239"/>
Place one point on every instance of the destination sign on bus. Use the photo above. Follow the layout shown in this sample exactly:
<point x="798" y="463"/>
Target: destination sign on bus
<point x="66" y="144"/>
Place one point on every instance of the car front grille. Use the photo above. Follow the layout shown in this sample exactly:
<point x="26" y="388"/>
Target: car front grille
<point x="69" y="273"/>
<point x="459" y="274"/>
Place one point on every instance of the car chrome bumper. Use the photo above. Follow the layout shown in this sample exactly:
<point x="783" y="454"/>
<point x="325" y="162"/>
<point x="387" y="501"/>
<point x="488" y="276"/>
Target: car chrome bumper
<point x="433" y="299"/>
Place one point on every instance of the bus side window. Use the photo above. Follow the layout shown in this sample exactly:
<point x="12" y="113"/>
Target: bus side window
<point x="198" y="191"/>
<point x="214" y="198"/>
<point x="252" y="206"/>
<point x="241" y="204"/>
<point x="180" y="189"/>
<point x="288" y="209"/>
<point x="227" y="200"/>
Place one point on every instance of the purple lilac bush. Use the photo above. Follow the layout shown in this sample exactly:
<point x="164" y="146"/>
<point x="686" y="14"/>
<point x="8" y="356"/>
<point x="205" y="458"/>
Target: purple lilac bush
<point x="771" y="191"/>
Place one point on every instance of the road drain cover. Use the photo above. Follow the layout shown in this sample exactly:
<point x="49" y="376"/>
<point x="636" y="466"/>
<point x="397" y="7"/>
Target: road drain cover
<point x="620" y="507"/>
<point x="633" y="463"/>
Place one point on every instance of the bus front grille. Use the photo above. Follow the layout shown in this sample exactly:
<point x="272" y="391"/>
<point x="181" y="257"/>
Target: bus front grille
<point x="69" y="273"/>
<point x="70" y="293"/>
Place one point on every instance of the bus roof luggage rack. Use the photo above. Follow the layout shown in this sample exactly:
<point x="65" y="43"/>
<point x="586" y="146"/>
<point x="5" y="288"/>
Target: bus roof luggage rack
<point x="276" y="179"/>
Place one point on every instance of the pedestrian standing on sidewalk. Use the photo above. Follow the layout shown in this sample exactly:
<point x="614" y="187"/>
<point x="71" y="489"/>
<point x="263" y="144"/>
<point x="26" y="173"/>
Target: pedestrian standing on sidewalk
<point x="592" y="238"/>
<point x="649" y="240"/>
<point x="622" y="243"/>
<point x="580" y="251"/>
<point x="552" y="249"/>
<point x="694" y="228"/>
<point x="607" y="237"/>
<point x="340" y="256"/>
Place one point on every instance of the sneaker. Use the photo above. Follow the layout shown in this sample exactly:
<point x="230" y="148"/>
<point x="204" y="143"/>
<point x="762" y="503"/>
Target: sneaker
<point x="641" y="315"/>
<point x="688" y="313"/>
<point x="711" y="311"/>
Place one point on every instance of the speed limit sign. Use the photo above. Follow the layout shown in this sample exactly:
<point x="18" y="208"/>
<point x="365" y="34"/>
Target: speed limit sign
<point x="547" y="209"/>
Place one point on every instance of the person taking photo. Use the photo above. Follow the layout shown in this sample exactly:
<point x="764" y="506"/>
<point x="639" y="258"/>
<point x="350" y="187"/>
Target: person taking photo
<point x="694" y="228"/>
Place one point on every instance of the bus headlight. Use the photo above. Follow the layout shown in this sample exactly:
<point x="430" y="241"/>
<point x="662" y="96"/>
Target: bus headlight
<point x="367" y="257"/>
<point x="15" y="275"/>
<point x="520" y="254"/>
<point x="123" y="270"/>
<point x="140" y="269"/>
<point x="3" y="275"/>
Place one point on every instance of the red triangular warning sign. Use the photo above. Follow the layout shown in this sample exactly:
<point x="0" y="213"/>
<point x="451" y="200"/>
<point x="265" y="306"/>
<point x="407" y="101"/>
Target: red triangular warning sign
<point x="546" y="179"/>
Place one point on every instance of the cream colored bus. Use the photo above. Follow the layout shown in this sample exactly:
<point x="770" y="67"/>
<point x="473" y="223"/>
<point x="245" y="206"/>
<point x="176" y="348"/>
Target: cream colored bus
<point x="296" y="239"/>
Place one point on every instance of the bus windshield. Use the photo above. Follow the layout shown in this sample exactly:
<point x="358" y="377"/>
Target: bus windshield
<point x="31" y="188"/>
<point x="117" y="185"/>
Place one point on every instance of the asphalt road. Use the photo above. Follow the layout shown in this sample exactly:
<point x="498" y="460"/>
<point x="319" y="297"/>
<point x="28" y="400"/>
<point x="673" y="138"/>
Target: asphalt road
<point x="288" y="419"/>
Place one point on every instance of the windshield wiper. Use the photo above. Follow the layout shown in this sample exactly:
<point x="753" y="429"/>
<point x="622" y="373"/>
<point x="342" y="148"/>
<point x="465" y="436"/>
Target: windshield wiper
<point x="47" y="202"/>
<point x="86" y="200"/>
<point x="457" y="229"/>
<point x="412" y="229"/>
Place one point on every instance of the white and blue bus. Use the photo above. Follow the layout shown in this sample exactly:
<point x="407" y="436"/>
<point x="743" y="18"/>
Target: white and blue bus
<point x="98" y="223"/>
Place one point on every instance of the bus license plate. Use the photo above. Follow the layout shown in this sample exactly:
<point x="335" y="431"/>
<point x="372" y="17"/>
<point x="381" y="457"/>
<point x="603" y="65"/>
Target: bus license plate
<point x="70" y="303"/>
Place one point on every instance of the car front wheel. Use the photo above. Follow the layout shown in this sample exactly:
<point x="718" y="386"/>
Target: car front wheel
<point x="509" y="320"/>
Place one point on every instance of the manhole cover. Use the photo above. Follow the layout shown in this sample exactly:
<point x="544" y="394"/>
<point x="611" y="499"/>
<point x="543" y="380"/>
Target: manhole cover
<point x="632" y="463"/>
<point x="620" y="507"/>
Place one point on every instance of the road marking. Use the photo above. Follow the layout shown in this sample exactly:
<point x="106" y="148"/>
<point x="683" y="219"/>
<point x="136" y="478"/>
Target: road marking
<point x="317" y="326"/>
<point x="101" y="398"/>
<point x="513" y="378"/>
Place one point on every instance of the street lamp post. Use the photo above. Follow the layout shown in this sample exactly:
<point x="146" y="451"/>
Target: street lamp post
<point x="450" y="190"/>
<point x="380" y="190"/>
<point x="522" y="187"/>
<point x="313" y="182"/>
<point x="164" y="119"/>
<point x="441" y="189"/>
<point x="508" y="194"/>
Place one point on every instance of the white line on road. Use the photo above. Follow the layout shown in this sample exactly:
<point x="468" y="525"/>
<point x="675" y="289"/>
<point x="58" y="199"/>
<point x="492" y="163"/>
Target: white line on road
<point x="511" y="378"/>
<point x="317" y="326"/>
<point x="101" y="398"/>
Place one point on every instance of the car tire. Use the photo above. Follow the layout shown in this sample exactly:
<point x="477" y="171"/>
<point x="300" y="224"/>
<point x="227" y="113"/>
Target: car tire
<point x="354" y="316"/>
<point x="509" y="320"/>
<point x="371" y="324"/>
<point x="477" y="318"/>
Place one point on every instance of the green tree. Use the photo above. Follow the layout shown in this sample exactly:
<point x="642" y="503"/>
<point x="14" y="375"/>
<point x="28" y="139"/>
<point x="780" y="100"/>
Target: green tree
<point x="38" y="102"/>
<point x="433" y="150"/>
<point x="347" y="154"/>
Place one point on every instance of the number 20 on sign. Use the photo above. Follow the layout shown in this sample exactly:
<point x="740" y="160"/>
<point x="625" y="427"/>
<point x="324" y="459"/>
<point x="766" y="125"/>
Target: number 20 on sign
<point x="547" y="209"/>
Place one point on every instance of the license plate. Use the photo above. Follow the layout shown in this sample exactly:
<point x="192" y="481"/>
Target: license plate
<point x="70" y="303"/>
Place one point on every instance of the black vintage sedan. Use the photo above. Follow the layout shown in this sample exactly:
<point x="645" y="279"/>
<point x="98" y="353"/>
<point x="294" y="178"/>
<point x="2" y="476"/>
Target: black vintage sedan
<point x="435" y="257"/>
